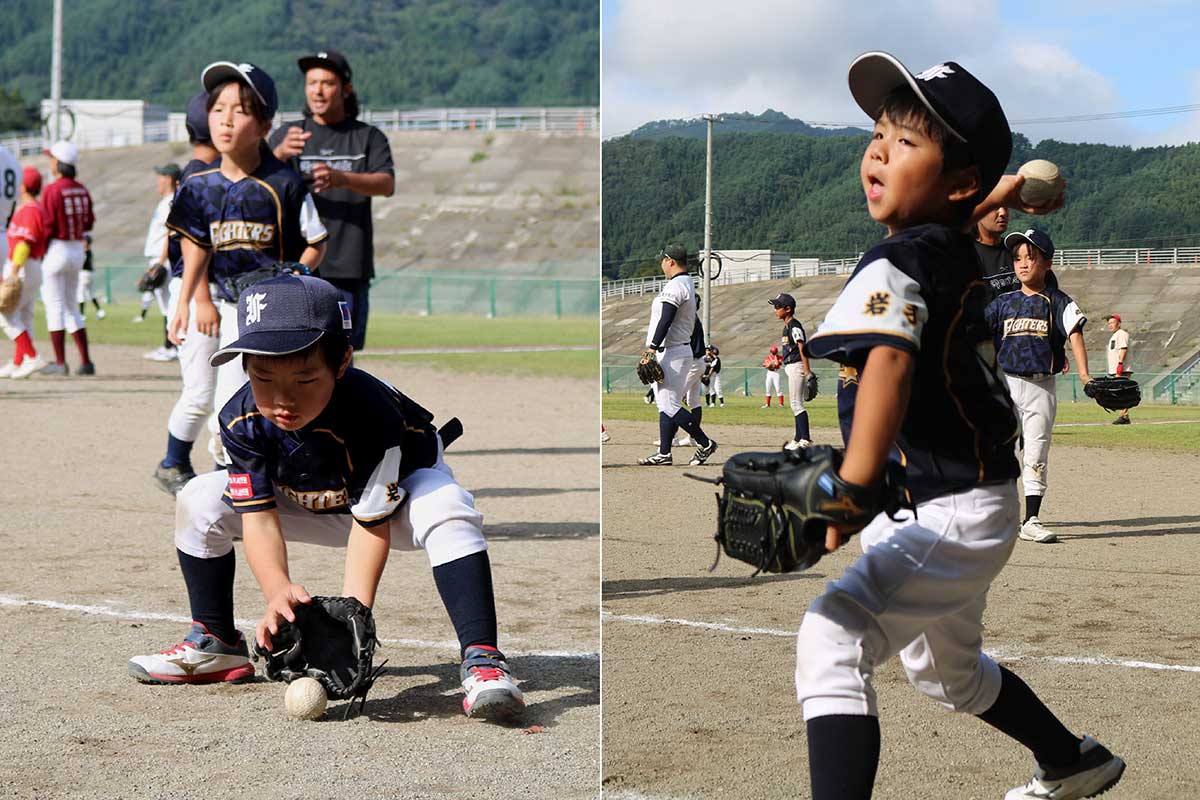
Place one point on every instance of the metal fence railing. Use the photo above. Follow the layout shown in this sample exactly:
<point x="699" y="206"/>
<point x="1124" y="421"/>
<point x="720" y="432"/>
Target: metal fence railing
<point x="427" y="293"/>
<point x="578" y="120"/>
<point x="744" y="272"/>
<point x="619" y="375"/>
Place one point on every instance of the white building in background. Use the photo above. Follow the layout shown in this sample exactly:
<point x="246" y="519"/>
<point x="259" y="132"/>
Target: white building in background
<point x="743" y="266"/>
<point x="110" y="123"/>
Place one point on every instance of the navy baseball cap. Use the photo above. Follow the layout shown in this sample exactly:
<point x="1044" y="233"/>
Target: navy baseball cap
<point x="783" y="300"/>
<point x="1036" y="238"/>
<point x="220" y="71"/>
<point x="170" y="170"/>
<point x="955" y="97"/>
<point x="331" y="60"/>
<point x="284" y="315"/>
<point x="196" y="120"/>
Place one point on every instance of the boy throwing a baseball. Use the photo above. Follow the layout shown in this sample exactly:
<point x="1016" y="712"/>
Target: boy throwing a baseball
<point x="910" y="321"/>
<point x="323" y="453"/>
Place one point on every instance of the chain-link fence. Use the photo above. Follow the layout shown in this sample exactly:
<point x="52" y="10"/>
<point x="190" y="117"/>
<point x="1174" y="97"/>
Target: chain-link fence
<point x="619" y="374"/>
<point x="498" y="294"/>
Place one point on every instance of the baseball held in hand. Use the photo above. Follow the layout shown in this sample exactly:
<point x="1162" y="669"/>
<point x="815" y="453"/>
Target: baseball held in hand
<point x="1043" y="182"/>
<point x="305" y="699"/>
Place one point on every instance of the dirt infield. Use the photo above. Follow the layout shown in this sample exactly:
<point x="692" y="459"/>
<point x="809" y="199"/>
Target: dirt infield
<point x="88" y="577"/>
<point x="698" y="693"/>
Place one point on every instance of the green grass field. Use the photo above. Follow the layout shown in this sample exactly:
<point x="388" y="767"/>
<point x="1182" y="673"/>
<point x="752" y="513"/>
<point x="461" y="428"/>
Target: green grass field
<point x="1182" y="436"/>
<point x="391" y="331"/>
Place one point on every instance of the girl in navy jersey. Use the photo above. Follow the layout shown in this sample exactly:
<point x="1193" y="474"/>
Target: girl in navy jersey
<point x="246" y="213"/>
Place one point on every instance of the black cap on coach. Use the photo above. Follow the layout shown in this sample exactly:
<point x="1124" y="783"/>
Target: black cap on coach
<point x="331" y="60"/>
<point x="1036" y="238"/>
<point x="675" y="252"/>
<point x="955" y="97"/>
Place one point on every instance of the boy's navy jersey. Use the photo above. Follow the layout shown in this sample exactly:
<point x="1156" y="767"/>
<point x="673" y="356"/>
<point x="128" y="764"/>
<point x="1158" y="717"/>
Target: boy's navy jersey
<point x="265" y="218"/>
<point x="922" y="290"/>
<point x="793" y="341"/>
<point x="715" y="366"/>
<point x="174" y="251"/>
<point x="1031" y="330"/>
<point x="349" y="460"/>
<point x="998" y="271"/>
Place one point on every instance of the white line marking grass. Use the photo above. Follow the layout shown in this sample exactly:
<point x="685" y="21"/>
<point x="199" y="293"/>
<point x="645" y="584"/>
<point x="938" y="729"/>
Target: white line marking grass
<point x="155" y="616"/>
<point x="1000" y="654"/>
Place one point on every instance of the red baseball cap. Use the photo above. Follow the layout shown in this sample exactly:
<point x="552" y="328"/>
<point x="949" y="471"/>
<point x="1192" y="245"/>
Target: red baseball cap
<point x="31" y="179"/>
<point x="1117" y="317"/>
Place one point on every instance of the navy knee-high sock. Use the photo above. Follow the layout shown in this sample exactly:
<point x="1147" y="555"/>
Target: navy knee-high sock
<point x="179" y="453"/>
<point x="685" y="420"/>
<point x="843" y="754"/>
<point x="465" y="585"/>
<point x="1021" y="715"/>
<point x="210" y="592"/>
<point x="666" y="432"/>
<point x="802" y="431"/>
<point x="698" y="414"/>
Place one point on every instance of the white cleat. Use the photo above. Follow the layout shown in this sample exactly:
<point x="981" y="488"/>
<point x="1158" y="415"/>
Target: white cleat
<point x="1095" y="773"/>
<point x="1032" y="530"/>
<point x="28" y="367"/>
<point x="7" y="370"/>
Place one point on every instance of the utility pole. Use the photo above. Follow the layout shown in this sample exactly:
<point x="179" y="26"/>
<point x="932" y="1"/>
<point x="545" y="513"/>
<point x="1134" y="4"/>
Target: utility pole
<point x="705" y="301"/>
<point x="56" y="75"/>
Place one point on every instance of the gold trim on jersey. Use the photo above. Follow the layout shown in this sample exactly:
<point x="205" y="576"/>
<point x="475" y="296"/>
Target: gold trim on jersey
<point x="340" y="441"/>
<point x="239" y="503"/>
<point x="377" y="517"/>
<point x="278" y="212"/>
<point x="189" y="237"/>
<point x="236" y="420"/>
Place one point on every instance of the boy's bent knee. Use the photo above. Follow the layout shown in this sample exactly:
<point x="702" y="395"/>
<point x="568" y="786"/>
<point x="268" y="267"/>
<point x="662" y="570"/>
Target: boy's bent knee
<point x="204" y="524"/>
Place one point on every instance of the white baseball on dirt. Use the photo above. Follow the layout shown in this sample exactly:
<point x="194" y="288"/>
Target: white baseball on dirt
<point x="1043" y="182"/>
<point x="305" y="699"/>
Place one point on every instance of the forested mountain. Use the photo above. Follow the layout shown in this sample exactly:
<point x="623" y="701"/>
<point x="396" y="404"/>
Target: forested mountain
<point x="405" y="53"/>
<point x="770" y="121"/>
<point x="801" y="194"/>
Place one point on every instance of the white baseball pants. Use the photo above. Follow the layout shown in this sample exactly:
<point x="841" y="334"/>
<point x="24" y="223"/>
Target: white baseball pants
<point x="60" y="285"/>
<point x="919" y="589"/>
<point x="714" y="385"/>
<point x="795" y="375"/>
<point x="437" y="516"/>
<point x="681" y="375"/>
<point x="20" y="319"/>
<point x="230" y="377"/>
<point x="772" y="384"/>
<point x="1037" y="405"/>
<point x="195" y="403"/>
<point x="85" y="293"/>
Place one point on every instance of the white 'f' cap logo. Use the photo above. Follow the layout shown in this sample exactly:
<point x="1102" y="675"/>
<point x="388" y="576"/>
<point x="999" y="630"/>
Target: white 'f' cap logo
<point x="940" y="71"/>
<point x="255" y="303"/>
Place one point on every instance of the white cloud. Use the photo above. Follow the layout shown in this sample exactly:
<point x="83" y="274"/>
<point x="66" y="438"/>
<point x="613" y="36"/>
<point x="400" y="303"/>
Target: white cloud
<point x="677" y="58"/>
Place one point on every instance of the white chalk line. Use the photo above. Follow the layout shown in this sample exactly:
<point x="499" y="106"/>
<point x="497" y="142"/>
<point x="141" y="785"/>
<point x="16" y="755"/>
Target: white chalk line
<point x="1001" y="654"/>
<point x="156" y="616"/>
<point x="1139" y="422"/>
<point x="424" y="351"/>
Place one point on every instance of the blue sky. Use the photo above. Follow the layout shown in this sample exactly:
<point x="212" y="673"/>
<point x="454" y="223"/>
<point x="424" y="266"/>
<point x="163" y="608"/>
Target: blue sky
<point x="677" y="58"/>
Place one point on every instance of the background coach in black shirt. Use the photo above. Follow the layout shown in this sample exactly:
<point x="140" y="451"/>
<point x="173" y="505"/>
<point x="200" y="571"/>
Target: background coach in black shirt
<point x="346" y="163"/>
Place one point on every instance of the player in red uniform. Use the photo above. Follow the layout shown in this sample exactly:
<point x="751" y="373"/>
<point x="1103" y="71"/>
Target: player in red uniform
<point x="27" y="240"/>
<point x="68" y="207"/>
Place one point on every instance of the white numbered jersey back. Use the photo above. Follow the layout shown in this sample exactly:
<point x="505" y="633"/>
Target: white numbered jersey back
<point x="10" y="186"/>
